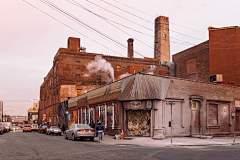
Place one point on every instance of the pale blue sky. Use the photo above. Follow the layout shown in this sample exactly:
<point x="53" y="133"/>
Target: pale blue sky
<point x="29" y="39"/>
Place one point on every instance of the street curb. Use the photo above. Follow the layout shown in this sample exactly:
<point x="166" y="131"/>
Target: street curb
<point x="226" y="144"/>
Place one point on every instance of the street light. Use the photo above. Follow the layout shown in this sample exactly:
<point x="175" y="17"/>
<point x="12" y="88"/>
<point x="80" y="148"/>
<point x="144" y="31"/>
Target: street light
<point x="5" y="114"/>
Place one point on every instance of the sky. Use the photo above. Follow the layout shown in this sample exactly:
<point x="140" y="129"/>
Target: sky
<point x="31" y="33"/>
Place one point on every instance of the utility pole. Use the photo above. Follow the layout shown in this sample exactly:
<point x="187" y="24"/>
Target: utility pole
<point x="170" y="103"/>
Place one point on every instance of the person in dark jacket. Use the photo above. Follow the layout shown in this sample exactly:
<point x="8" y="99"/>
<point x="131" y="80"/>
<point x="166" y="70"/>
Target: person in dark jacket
<point x="97" y="132"/>
<point x="99" y="129"/>
<point x="92" y="124"/>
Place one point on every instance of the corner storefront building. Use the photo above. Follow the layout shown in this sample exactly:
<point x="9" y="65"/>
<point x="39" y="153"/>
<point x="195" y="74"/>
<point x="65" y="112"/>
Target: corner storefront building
<point x="137" y="105"/>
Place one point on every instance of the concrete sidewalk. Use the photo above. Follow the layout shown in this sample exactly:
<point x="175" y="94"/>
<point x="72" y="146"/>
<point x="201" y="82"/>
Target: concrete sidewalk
<point x="176" y="141"/>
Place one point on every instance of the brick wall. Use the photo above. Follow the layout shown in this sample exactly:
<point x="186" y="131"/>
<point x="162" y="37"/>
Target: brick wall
<point x="69" y="68"/>
<point x="193" y="63"/>
<point x="224" y="53"/>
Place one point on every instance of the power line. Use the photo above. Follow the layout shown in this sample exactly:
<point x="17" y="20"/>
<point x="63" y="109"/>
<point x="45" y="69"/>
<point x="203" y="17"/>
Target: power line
<point x="70" y="27"/>
<point x="119" y="15"/>
<point x="113" y="21"/>
<point x="79" y="5"/>
<point x="155" y="16"/>
<point x="138" y="17"/>
<point x="70" y="16"/>
<point x="75" y="18"/>
<point x="127" y="12"/>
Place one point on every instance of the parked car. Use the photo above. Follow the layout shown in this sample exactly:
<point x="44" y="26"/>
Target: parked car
<point x="43" y="128"/>
<point x="53" y="130"/>
<point x="1" y="129"/>
<point x="7" y="125"/>
<point x="27" y="128"/>
<point x="34" y="127"/>
<point x="79" y="131"/>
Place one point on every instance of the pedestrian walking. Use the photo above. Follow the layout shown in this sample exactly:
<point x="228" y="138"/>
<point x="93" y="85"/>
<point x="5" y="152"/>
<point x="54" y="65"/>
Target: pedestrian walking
<point x="99" y="129"/>
<point x="92" y="124"/>
<point x="97" y="132"/>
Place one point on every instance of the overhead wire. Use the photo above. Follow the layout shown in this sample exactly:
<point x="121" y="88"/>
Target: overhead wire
<point x="150" y="22"/>
<point x="155" y="16"/>
<point x="146" y="20"/>
<point x="104" y="18"/>
<point x="79" y="5"/>
<point x="70" y="27"/>
<point x="70" y="15"/>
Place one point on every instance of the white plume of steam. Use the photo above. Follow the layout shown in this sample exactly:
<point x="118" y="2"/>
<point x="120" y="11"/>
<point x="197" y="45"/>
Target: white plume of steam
<point x="100" y="64"/>
<point x="124" y="75"/>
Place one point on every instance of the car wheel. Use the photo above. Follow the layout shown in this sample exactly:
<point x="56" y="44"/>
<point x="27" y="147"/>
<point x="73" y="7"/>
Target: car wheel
<point x="92" y="139"/>
<point x="73" y="137"/>
<point x="65" y="136"/>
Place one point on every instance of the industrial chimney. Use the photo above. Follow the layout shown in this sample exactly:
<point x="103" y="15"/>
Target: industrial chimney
<point x="130" y="47"/>
<point x="162" y="46"/>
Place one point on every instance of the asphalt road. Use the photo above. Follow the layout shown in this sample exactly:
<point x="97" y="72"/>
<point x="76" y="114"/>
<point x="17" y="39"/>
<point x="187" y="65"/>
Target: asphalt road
<point x="32" y="145"/>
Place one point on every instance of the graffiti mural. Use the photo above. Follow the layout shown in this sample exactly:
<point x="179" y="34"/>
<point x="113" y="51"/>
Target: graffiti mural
<point x="62" y="108"/>
<point x="75" y="117"/>
<point x="83" y="116"/>
<point x="102" y="115"/>
<point x="138" y="123"/>
<point x="116" y="114"/>
<point x="109" y="116"/>
<point x="87" y="117"/>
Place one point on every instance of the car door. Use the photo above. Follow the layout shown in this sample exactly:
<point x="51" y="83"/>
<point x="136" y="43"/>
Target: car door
<point x="69" y="132"/>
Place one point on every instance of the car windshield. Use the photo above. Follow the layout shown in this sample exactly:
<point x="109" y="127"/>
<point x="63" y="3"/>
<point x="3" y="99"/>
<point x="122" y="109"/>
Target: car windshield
<point x="55" y="128"/>
<point x="83" y="126"/>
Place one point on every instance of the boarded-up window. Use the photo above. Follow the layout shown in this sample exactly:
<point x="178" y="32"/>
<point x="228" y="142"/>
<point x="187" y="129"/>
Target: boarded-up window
<point x="213" y="115"/>
<point x="78" y="77"/>
<point x="191" y="66"/>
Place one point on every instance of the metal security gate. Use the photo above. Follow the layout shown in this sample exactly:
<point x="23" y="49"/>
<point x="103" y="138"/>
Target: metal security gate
<point x="138" y="123"/>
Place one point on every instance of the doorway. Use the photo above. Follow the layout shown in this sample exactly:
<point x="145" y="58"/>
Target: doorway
<point x="138" y="123"/>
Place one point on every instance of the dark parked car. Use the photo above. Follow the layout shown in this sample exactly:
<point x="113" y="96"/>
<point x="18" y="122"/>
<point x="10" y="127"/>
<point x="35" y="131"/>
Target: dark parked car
<point x="53" y="130"/>
<point x="43" y="128"/>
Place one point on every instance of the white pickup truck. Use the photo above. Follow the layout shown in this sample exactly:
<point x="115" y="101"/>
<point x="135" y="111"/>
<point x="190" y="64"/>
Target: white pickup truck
<point x="7" y="125"/>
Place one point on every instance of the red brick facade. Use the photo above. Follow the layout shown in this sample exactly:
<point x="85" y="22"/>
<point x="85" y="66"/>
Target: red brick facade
<point x="224" y="53"/>
<point x="66" y="76"/>
<point x="193" y="63"/>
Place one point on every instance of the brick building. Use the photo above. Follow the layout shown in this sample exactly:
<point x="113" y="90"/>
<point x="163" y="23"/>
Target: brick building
<point x="193" y="63"/>
<point x="137" y="104"/>
<point x="69" y="75"/>
<point x="33" y="114"/>
<point x="224" y="53"/>
<point x="219" y="55"/>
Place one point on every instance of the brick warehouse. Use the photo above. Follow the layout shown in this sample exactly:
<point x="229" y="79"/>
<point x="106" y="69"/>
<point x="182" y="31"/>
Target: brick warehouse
<point x="219" y="55"/>
<point x="137" y="105"/>
<point x="67" y="76"/>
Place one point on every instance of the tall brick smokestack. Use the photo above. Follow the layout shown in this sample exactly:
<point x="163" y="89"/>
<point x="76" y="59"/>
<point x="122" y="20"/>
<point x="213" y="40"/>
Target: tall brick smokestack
<point x="130" y="47"/>
<point x="162" y="46"/>
<point x="74" y="43"/>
